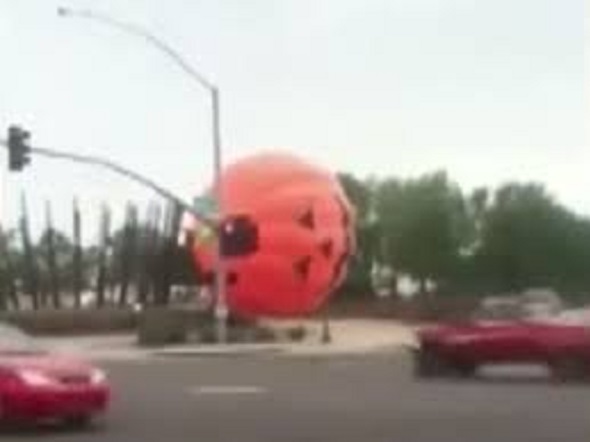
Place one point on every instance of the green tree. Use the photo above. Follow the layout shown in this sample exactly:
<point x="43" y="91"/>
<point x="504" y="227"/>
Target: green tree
<point x="424" y="226"/>
<point x="125" y="259"/>
<point x="528" y="239"/>
<point x="10" y="257"/>
<point x="360" y="195"/>
<point x="53" y="256"/>
<point x="27" y="267"/>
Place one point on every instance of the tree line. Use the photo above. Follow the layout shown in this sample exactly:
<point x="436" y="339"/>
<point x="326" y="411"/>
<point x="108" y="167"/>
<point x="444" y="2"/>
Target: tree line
<point x="137" y="262"/>
<point x="485" y="241"/>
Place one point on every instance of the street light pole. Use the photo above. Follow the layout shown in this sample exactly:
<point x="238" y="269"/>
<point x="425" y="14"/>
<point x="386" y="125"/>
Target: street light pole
<point x="221" y="310"/>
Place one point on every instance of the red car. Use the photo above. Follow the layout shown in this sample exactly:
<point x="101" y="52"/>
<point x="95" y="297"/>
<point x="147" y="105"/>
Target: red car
<point x="38" y="386"/>
<point x="459" y="349"/>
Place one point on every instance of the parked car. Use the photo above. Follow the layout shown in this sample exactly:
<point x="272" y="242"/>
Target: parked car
<point x="37" y="385"/>
<point x="541" y="302"/>
<point x="460" y="348"/>
<point x="499" y="308"/>
<point x="531" y="303"/>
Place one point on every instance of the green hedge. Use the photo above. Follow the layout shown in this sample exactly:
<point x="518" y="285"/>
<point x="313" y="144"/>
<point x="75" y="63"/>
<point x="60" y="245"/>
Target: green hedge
<point x="72" y="322"/>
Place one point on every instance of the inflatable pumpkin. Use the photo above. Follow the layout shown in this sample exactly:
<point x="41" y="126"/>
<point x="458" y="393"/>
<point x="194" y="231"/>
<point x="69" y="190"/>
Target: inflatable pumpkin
<point x="287" y="235"/>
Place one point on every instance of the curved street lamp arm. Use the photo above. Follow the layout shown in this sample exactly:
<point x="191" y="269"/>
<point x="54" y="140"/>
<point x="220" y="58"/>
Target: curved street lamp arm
<point x="145" y="34"/>
<point x="133" y="29"/>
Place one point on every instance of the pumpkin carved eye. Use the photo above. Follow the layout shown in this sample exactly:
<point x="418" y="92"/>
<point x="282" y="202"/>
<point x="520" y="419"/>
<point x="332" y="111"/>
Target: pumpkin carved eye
<point x="301" y="267"/>
<point x="307" y="220"/>
<point x="327" y="248"/>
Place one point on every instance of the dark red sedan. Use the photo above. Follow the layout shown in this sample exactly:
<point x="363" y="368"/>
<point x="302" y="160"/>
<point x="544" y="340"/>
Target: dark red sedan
<point x="460" y="348"/>
<point x="37" y="385"/>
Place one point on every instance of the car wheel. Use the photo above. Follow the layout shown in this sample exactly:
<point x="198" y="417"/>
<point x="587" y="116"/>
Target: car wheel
<point x="465" y="370"/>
<point x="570" y="368"/>
<point x="79" y="422"/>
<point x="428" y="363"/>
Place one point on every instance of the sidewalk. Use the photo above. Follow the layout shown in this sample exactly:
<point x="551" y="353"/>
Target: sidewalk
<point x="101" y="347"/>
<point x="354" y="336"/>
<point x="349" y="337"/>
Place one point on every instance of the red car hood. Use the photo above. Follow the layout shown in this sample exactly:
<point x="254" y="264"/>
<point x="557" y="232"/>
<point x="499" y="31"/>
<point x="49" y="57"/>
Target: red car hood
<point x="49" y="363"/>
<point x="483" y="327"/>
<point x="467" y="327"/>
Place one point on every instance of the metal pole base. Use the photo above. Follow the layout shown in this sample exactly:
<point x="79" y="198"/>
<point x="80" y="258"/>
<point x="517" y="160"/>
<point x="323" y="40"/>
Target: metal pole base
<point x="326" y="332"/>
<point x="221" y="331"/>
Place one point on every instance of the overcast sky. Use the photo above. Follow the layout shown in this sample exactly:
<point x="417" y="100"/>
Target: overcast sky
<point x="490" y="90"/>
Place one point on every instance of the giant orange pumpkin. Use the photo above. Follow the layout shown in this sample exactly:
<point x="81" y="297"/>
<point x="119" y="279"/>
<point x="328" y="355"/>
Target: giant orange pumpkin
<point x="304" y="226"/>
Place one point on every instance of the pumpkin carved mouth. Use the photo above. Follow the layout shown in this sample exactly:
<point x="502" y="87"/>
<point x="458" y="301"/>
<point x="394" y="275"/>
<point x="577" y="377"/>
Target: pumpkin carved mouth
<point x="301" y="268"/>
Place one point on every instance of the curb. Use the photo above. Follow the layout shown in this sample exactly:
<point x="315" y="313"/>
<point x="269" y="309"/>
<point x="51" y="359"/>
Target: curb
<point x="243" y="351"/>
<point x="209" y="351"/>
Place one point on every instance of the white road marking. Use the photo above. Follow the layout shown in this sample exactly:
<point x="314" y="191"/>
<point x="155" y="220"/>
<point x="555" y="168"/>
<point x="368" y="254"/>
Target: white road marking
<point x="227" y="389"/>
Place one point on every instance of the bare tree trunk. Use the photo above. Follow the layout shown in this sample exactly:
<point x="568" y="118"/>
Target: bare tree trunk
<point x="54" y="286"/>
<point x="127" y="253"/>
<point x="9" y="285"/>
<point x="12" y="290"/>
<point x="166" y="254"/>
<point x="148" y="242"/>
<point x="422" y="287"/>
<point x="101" y="283"/>
<point x="77" y="258"/>
<point x="152" y="262"/>
<point x="5" y="276"/>
<point x="31" y="277"/>
<point x="13" y="294"/>
<point x="394" y="287"/>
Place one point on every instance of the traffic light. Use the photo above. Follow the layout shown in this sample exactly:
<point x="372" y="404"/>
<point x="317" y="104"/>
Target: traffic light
<point x="19" y="148"/>
<point x="238" y="236"/>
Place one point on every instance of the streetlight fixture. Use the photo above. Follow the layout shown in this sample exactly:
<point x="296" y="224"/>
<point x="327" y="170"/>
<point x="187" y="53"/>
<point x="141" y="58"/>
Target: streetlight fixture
<point x="221" y="310"/>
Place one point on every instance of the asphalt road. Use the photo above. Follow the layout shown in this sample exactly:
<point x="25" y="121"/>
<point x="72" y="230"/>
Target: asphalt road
<point x="340" y="399"/>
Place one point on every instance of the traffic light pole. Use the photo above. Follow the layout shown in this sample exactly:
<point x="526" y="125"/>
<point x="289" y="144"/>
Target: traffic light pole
<point x="123" y="171"/>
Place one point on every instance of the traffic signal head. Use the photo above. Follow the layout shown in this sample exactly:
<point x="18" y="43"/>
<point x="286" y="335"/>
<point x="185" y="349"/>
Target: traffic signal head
<point x="19" y="148"/>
